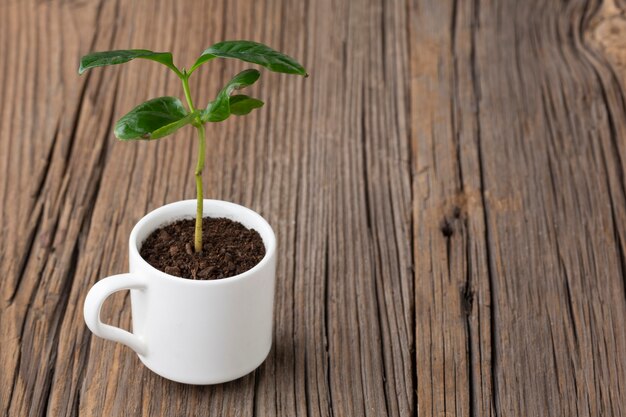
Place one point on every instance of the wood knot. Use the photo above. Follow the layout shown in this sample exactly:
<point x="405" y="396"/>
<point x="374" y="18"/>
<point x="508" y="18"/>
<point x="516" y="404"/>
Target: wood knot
<point x="446" y="228"/>
<point x="467" y="296"/>
<point x="456" y="212"/>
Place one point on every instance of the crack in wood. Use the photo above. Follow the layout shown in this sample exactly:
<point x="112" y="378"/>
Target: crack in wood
<point x="475" y="25"/>
<point x="327" y="301"/>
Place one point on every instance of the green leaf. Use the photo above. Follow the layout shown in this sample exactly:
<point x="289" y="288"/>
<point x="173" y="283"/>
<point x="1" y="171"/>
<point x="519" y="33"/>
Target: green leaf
<point x="100" y="59"/>
<point x="153" y="119"/>
<point x="253" y="52"/>
<point x="241" y="105"/>
<point x="173" y="127"/>
<point x="219" y="109"/>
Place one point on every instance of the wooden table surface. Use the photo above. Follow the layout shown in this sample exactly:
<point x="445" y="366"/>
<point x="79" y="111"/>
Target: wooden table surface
<point x="448" y="189"/>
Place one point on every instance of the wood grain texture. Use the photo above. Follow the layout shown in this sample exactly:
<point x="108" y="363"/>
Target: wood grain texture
<point x="519" y="210"/>
<point x="447" y="189"/>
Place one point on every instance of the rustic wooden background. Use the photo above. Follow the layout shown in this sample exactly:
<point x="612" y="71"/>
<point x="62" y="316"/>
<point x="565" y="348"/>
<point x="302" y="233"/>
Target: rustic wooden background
<point x="448" y="189"/>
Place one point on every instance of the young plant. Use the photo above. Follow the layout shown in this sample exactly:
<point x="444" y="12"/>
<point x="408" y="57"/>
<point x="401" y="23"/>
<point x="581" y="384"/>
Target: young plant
<point x="163" y="116"/>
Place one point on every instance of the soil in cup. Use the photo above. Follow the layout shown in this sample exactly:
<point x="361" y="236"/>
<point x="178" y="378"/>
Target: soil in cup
<point x="229" y="248"/>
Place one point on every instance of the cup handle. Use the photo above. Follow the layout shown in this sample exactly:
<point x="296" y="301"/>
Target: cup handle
<point x="93" y="303"/>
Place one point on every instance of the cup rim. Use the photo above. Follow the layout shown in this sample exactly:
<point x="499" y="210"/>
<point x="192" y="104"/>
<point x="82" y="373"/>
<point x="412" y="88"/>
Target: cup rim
<point x="270" y="245"/>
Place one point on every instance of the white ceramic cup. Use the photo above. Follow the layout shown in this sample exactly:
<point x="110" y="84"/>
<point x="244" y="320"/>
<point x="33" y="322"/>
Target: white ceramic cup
<point x="191" y="331"/>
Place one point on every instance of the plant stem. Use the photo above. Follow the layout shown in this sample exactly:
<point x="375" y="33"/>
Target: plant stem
<point x="199" y="166"/>
<point x="185" y="79"/>
<point x="199" y="196"/>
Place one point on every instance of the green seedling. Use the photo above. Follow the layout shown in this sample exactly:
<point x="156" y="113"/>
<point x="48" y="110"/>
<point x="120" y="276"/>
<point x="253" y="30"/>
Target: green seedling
<point x="163" y="116"/>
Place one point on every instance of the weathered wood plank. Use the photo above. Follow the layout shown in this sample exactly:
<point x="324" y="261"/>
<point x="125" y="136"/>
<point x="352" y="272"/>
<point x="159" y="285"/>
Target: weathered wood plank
<point x="520" y="191"/>
<point x="452" y="287"/>
<point x="303" y="163"/>
<point x="43" y="212"/>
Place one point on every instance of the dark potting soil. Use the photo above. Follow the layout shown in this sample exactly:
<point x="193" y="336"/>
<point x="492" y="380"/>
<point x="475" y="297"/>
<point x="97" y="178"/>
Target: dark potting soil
<point x="228" y="249"/>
